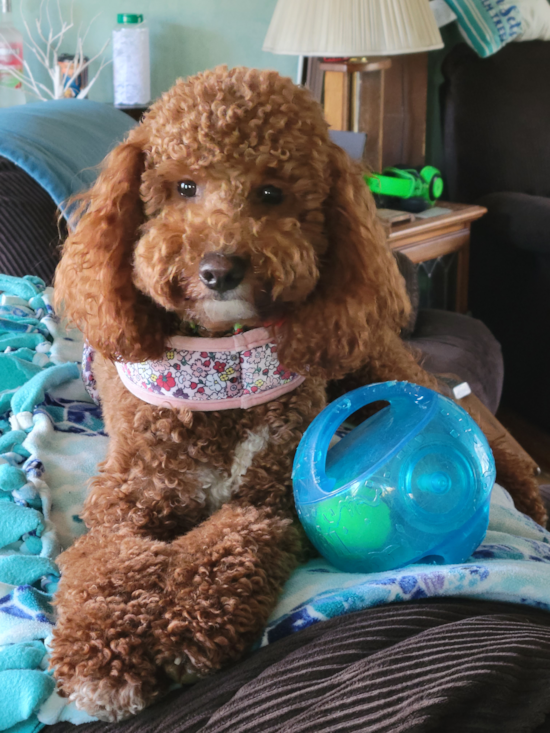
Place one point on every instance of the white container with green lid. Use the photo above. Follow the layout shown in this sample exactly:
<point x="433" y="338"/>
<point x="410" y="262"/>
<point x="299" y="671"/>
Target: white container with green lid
<point x="131" y="71"/>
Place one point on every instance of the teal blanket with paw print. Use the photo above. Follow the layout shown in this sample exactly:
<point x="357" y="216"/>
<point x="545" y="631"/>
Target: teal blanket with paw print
<point x="51" y="440"/>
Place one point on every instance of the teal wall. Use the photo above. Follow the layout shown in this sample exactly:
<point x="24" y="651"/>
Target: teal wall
<point x="191" y="35"/>
<point x="186" y="36"/>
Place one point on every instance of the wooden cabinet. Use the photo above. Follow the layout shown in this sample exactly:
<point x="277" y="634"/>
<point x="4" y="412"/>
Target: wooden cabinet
<point x="427" y="238"/>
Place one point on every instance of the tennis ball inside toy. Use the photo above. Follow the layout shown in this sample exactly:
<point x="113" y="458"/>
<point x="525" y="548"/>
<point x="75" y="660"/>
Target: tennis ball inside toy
<point x="410" y="484"/>
<point x="362" y="525"/>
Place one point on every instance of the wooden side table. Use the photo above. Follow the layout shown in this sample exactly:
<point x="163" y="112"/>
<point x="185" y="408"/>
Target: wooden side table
<point x="427" y="238"/>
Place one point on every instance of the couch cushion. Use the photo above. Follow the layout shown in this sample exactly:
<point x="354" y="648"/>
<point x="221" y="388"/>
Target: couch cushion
<point x="457" y="344"/>
<point x="60" y="142"/>
<point x="29" y="233"/>
<point x="453" y="666"/>
<point x="487" y="25"/>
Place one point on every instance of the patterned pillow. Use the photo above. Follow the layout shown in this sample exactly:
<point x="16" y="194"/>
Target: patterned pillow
<point x="535" y="19"/>
<point x="488" y="25"/>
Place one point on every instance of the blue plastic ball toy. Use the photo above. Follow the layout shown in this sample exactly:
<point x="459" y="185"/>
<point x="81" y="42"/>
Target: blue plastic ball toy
<point x="411" y="484"/>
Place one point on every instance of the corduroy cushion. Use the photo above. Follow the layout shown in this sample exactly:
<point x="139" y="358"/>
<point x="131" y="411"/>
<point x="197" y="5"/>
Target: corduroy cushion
<point x="29" y="233"/>
<point x="442" y="666"/>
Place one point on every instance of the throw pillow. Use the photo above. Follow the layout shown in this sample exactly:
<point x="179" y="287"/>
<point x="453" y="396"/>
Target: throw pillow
<point x="535" y="19"/>
<point x="488" y="25"/>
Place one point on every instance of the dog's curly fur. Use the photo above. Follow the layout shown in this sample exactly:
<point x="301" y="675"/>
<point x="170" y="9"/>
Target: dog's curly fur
<point x="166" y="582"/>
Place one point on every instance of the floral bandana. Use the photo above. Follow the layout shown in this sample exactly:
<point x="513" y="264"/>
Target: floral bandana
<point x="209" y="374"/>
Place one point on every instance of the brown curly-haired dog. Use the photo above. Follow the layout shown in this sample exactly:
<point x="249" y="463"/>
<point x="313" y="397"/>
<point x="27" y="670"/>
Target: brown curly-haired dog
<point x="185" y="555"/>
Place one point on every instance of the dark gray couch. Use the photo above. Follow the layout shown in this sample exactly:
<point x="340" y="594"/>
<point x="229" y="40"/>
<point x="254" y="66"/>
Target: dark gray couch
<point x="29" y="231"/>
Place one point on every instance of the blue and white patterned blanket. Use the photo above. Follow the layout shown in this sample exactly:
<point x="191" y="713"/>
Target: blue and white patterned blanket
<point x="512" y="564"/>
<point x="51" y="439"/>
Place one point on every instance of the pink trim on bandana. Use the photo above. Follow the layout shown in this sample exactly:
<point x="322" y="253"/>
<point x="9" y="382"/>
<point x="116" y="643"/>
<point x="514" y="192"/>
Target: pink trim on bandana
<point x="212" y="374"/>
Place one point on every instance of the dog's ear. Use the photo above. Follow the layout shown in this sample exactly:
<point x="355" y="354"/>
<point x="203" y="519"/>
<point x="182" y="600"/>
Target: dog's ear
<point x="93" y="282"/>
<point x="360" y="296"/>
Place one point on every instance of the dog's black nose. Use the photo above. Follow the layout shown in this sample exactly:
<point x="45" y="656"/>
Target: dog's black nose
<point x="221" y="272"/>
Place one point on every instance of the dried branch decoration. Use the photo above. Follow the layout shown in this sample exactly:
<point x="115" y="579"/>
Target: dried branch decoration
<point x="46" y="49"/>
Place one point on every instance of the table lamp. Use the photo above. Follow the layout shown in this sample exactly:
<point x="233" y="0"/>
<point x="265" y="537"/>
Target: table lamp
<point x="347" y="34"/>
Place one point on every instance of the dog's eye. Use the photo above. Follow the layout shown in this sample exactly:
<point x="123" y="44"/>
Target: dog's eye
<point x="270" y="195"/>
<point x="187" y="188"/>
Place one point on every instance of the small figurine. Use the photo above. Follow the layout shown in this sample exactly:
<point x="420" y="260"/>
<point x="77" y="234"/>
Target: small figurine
<point x="411" y="484"/>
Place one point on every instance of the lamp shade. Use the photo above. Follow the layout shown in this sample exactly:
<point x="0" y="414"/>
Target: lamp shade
<point x="347" y="28"/>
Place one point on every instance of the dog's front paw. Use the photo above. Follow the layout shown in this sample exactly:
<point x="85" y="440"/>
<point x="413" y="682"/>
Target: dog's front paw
<point x="108" y="596"/>
<point x="109" y="681"/>
<point x="220" y="585"/>
<point x="108" y="699"/>
<point x="106" y="677"/>
<point x="188" y="649"/>
<point x="182" y="671"/>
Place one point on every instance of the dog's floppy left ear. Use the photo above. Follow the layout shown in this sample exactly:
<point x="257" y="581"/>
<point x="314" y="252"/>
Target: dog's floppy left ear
<point x="93" y="282"/>
<point x="360" y="294"/>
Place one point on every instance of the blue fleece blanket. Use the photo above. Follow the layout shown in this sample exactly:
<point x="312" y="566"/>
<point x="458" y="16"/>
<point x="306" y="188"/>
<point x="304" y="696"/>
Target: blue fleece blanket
<point x="59" y="143"/>
<point x="51" y="439"/>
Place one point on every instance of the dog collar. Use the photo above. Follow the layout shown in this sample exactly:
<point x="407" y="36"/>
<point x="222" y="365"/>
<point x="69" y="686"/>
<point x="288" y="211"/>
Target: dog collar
<point x="212" y="374"/>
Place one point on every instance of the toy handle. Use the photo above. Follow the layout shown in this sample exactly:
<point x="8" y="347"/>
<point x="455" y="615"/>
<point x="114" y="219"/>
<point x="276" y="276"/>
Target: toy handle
<point x="311" y="454"/>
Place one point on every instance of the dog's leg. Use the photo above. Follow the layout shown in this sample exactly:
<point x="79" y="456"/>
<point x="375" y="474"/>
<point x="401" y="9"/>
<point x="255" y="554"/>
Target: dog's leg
<point x="226" y="574"/>
<point x="109" y="594"/>
<point x="223" y="582"/>
<point x="389" y="360"/>
<point x="111" y="588"/>
<point x="146" y="588"/>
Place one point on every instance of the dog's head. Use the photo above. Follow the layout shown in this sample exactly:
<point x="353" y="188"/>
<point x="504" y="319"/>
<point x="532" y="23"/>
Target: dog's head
<point x="229" y="203"/>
